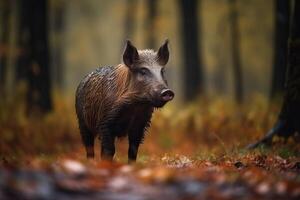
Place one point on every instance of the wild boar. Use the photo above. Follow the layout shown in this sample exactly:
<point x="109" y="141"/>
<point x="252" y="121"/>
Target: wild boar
<point x="117" y="101"/>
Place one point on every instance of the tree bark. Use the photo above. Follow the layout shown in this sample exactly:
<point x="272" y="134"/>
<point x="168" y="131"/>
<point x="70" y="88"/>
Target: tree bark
<point x="192" y="70"/>
<point x="130" y="19"/>
<point x="4" y="43"/>
<point x="289" y="116"/>
<point x="23" y="42"/>
<point x="58" y="24"/>
<point x="235" y="52"/>
<point x="282" y="18"/>
<point x="34" y="63"/>
<point x="152" y="13"/>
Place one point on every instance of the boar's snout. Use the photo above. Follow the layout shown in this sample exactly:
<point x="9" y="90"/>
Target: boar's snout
<point x="166" y="95"/>
<point x="162" y="97"/>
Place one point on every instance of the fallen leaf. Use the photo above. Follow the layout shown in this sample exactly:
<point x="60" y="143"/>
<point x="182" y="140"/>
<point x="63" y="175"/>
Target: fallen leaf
<point x="72" y="166"/>
<point x="239" y="165"/>
<point x="263" y="188"/>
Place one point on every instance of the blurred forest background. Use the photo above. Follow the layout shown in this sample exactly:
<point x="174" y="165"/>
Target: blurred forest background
<point x="227" y="65"/>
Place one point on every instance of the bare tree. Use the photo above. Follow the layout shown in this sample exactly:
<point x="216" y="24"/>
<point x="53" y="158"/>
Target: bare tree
<point x="192" y="72"/>
<point x="282" y="18"/>
<point x="152" y="12"/>
<point x="5" y="5"/>
<point x="288" y="120"/>
<point x="235" y="51"/>
<point x="33" y="65"/>
<point x="58" y="24"/>
<point x="130" y="18"/>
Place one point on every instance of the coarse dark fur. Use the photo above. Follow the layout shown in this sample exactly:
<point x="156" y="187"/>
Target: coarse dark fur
<point x="116" y="101"/>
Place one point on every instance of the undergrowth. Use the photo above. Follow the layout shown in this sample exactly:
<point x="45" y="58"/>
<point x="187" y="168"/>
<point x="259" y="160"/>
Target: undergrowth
<point x="206" y="129"/>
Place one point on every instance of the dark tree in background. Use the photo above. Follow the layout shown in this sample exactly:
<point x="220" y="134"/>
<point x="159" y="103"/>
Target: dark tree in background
<point x="289" y="116"/>
<point x="282" y="18"/>
<point x="130" y="18"/>
<point x="57" y="53"/>
<point x="33" y="64"/>
<point x="235" y="51"/>
<point x="192" y="70"/>
<point x="5" y="7"/>
<point x="152" y="12"/>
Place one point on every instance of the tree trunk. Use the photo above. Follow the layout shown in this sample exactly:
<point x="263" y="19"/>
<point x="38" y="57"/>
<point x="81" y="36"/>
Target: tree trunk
<point x="282" y="18"/>
<point x="152" y="12"/>
<point x="4" y="43"/>
<point x="192" y="70"/>
<point x="130" y="18"/>
<point x="23" y="42"/>
<point x="235" y="52"/>
<point x="289" y="117"/>
<point x="58" y="23"/>
<point x="34" y="63"/>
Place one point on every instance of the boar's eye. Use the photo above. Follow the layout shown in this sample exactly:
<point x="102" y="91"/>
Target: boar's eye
<point x="143" y="71"/>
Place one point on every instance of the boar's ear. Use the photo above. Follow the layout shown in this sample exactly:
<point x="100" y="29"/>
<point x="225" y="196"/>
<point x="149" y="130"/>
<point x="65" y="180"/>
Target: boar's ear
<point x="130" y="55"/>
<point x="163" y="53"/>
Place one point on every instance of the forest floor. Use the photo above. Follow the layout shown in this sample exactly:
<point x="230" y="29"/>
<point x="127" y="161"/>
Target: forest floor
<point x="197" y="154"/>
<point x="251" y="176"/>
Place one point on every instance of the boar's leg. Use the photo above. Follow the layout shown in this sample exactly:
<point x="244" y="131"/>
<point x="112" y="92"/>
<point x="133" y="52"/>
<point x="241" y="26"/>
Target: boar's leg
<point x="88" y="139"/>
<point x="107" y="146"/>
<point x="135" y="137"/>
<point x="134" y="144"/>
<point x="136" y="131"/>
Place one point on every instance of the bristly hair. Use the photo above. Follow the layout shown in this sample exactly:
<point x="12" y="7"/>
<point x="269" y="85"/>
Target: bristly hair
<point x="148" y="56"/>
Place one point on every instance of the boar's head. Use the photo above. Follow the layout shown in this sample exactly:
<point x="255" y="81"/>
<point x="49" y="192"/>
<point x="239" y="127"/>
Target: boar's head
<point x="147" y="69"/>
